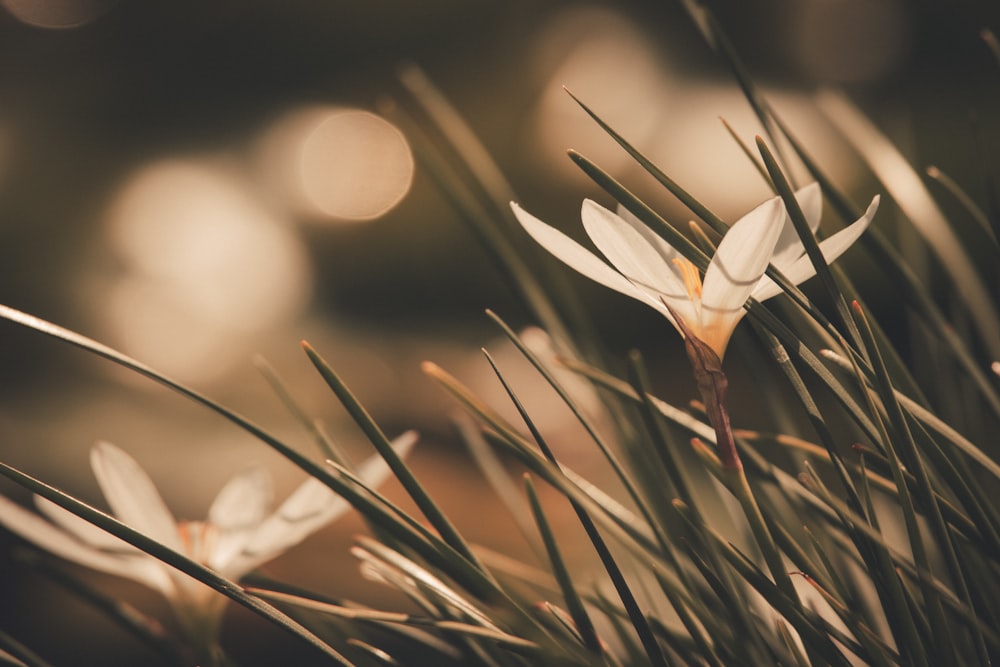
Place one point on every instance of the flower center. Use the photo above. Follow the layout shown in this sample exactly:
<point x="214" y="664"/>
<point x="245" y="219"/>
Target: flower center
<point x="198" y="538"/>
<point x="690" y="276"/>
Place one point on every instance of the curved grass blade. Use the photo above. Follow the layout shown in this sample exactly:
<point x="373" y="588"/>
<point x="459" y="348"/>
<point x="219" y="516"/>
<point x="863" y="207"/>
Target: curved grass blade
<point x="798" y="219"/>
<point x="963" y="198"/>
<point x="640" y="623"/>
<point x="737" y="620"/>
<point x="144" y="628"/>
<point x="327" y="446"/>
<point x="628" y="528"/>
<point x="373" y="653"/>
<point x="582" y="623"/>
<point x="402" y="472"/>
<point x="436" y="552"/>
<point x="628" y="483"/>
<point x="895" y="607"/>
<point x="491" y="219"/>
<point x="813" y="412"/>
<point x="380" y="617"/>
<point x="953" y="514"/>
<point x="917" y="467"/>
<point x="933" y="422"/>
<point x="911" y="195"/>
<point x="696" y="207"/>
<point x="499" y="480"/>
<point x="13" y="652"/>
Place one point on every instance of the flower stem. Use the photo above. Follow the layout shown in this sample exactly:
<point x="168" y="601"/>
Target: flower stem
<point x="713" y="387"/>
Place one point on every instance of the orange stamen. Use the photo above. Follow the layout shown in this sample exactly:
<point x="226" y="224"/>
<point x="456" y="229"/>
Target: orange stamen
<point x="691" y="277"/>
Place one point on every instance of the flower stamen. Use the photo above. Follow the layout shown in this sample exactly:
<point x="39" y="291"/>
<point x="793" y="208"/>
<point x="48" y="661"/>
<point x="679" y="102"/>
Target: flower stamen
<point x="690" y="276"/>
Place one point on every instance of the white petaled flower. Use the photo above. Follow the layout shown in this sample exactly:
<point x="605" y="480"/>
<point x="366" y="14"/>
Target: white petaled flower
<point x="238" y="535"/>
<point x="642" y="265"/>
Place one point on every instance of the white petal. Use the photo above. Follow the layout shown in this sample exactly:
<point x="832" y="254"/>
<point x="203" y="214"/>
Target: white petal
<point x="244" y="500"/>
<point x="133" y="496"/>
<point x="633" y="249"/>
<point x="767" y="288"/>
<point x="310" y="507"/>
<point x="579" y="258"/>
<point x="789" y="246"/>
<point x="677" y="296"/>
<point x="35" y="529"/>
<point x="810" y="199"/>
<point x="741" y="258"/>
<point x="82" y="529"/>
<point x="832" y="248"/>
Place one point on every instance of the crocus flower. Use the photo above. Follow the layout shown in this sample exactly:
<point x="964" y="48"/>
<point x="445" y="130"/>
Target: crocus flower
<point x="642" y="265"/>
<point x="238" y="535"/>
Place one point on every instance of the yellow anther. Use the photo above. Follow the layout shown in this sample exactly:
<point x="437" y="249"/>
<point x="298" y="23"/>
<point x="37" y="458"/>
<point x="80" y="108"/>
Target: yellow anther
<point x="691" y="277"/>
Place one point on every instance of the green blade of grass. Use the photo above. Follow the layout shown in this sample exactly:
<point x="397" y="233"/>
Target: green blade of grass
<point x="801" y="225"/>
<point x="879" y="558"/>
<point x="141" y="626"/>
<point x="381" y="617"/>
<point x="628" y="528"/>
<point x="479" y="190"/>
<point x="962" y="197"/>
<point x="327" y="446"/>
<point x="437" y="552"/>
<point x="696" y="207"/>
<point x="819" y="636"/>
<point x="916" y="466"/>
<point x="932" y="421"/>
<point x="13" y="652"/>
<point x="496" y="475"/>
<point x="813" y="413"/>
<point x="953" y="514"/>
<point x="399" y="468"/>
<point x="373" y="653"/>
<point x="876" y="650"/>
<point x="427" y="580"/>
<point x="911" y="195"/>
<point x="581" y="619"/>
<point x="733" y="621"/>
<point x="626" y="479"/>
<point x="640" y="623"/>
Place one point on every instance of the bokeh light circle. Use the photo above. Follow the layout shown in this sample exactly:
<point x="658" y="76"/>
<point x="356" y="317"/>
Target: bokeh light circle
<point x="355" y="165"/>
<point x="204" y="266"/>
<point x="335" y="165"/>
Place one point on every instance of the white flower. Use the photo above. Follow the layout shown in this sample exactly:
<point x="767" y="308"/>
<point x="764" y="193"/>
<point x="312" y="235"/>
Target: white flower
<point x="238" y="535"/>
<point x="645" y="267"/>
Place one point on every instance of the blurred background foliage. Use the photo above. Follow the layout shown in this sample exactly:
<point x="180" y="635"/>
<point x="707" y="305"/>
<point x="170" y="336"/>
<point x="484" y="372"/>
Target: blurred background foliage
<point x="197" y="182"/>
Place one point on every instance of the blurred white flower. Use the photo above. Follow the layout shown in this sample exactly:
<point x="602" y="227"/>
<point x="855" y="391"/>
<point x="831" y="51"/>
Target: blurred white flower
<point x="647" y="268"/>
<point x="238" y="535"/>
